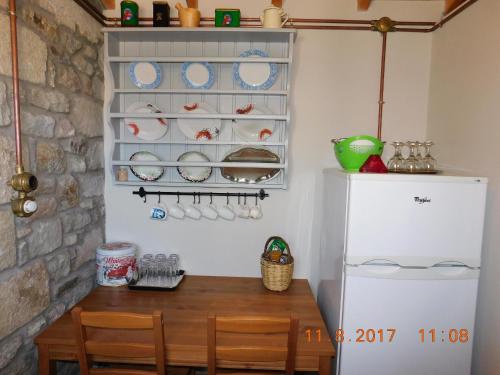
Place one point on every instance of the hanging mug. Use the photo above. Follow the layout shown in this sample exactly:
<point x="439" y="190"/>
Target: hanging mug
<point x="273" y="17"/>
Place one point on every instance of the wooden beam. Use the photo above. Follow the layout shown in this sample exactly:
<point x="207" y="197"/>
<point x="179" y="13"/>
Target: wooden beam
<point x="364" y="4"/>
<point x="451" y="5"/>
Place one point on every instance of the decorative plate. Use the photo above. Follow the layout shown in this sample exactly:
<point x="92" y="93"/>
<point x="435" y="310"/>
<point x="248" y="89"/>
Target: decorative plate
<point x="250" y="175"/>
<point x="255" y="76"/>
<point x="254" y="130"/>
<point x="149" y="129"/>
<point x="145" y="172"/>
<point x="199" y="129"/>
<point x="197" y="75"/>
<point x="145" y="75"/>
<point x="194" y="174"/>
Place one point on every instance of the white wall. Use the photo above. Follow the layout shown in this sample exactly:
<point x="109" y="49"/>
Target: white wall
<point x="335" y="94"/>
<point x="464" y="120"/>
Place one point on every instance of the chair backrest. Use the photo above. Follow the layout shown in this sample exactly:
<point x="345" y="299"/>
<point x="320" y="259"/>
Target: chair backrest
<point x="242" y="352"/>
<point x="110" y="348"/>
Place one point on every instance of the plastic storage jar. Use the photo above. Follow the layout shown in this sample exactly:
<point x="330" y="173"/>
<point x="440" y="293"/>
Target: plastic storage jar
<point x="116" y="263"/>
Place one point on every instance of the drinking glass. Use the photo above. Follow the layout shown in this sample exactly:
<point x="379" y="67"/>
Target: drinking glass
<point x="174" y="262"/>
<point x="397" y="163"/>
<point x="143" y="269"/>
<point x="429" y="163"/>
<point x="413" y="165"/>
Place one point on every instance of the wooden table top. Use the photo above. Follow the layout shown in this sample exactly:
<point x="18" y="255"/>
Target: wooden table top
<point x="185" y="315"/>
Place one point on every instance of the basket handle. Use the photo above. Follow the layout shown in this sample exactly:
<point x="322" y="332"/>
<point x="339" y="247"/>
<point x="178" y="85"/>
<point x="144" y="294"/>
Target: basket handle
<point x="277" y="238"/>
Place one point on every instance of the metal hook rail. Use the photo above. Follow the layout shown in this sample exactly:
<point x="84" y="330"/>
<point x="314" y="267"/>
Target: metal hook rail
<point x="143" y="194"/>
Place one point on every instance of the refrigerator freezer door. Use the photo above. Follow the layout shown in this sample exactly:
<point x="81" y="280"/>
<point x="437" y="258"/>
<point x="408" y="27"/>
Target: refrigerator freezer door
<point x="415" y="223"/>
<point x="374" y="306"/>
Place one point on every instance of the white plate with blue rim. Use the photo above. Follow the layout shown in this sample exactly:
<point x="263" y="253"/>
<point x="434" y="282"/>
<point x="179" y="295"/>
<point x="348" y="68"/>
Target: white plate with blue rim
<point x="255" y="76"/>
<point x="145" y="75"/>
<point x="198" y="75"/>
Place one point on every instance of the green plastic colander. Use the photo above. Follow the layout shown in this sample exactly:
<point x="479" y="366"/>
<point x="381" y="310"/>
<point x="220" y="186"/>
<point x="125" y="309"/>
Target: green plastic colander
<point x="352" y="152"/>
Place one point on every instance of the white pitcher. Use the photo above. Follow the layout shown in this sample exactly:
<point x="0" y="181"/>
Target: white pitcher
<point x="273" y="17"/>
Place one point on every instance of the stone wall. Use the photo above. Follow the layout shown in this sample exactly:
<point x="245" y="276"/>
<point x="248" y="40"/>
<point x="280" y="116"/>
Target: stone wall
<point x="47" y="261"/>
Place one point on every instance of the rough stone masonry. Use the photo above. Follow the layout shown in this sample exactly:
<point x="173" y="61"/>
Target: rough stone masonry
<point x="47" y="261"/>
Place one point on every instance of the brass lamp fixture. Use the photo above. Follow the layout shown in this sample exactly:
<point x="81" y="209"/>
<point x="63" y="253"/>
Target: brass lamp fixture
<point x="23" y="182"/>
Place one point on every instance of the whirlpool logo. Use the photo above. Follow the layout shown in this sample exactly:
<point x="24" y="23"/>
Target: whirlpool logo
<point x="421" y="200"/>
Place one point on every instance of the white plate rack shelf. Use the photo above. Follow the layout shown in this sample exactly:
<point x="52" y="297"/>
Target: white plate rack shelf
<point x="170" y="48"/>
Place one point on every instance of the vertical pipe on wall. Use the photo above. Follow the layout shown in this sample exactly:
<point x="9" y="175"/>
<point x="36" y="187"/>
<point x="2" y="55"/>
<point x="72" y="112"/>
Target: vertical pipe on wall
<point x="15" y="82"/>
<point x="23" y="182"/>
<point x="382" y="86"/>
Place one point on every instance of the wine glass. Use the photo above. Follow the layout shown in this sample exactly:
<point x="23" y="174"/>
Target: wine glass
<point x="397" y="163"/>
<point x="429" y="163"/>
<point x="413" y="165"/>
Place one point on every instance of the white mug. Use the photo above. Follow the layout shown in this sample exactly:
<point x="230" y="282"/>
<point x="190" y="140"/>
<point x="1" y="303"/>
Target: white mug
<point x="176" y="211"/>
<point x="192" y="212"/>
<point x="243" y="211"/>
<point x="226" y="212"/>
<point x="209" y="211"/>
<point x="256" y="212"/>
<point x="273" y="17"/>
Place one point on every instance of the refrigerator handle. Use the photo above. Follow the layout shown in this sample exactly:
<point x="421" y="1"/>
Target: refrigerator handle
<point x="380" y="262"/>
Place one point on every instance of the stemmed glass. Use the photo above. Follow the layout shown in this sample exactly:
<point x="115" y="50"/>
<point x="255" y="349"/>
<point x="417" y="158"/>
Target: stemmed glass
<point x="412" y="163"/>
<point x="429" y="163"/>
<point x="397" y="163"/>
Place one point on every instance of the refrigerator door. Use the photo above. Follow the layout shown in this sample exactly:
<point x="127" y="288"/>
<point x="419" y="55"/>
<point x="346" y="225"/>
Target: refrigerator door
<point x="429" y="313"/>
<point x="415" y="223"/>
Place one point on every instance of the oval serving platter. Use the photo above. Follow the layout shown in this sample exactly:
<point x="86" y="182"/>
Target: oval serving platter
<point x="145" y="75"/>
<point x="148" y="129"/>
<point x="255" y="76"/>
<point x="194" y="174"/>
<point x="146" y="172"/>
<point x="198" y="75"/>
<point x="250" y="175"/>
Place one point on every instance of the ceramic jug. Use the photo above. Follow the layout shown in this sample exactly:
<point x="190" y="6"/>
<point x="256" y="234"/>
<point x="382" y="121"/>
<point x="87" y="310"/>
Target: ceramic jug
<point x="188" y="17"/>
<point x="273" y="17"/>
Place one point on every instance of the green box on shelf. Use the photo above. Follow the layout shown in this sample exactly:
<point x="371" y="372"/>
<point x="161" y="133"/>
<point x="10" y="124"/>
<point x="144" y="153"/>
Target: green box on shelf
<point x="227" y="17"/>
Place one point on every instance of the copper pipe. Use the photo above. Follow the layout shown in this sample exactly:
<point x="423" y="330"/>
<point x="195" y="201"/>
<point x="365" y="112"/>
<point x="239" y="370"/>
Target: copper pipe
<point x="15" y="81"/>
<point x="246" y="21"/>
<point x="452" y="15"/>
<point x="382" y="86"/>
<point x="290" y="21"/>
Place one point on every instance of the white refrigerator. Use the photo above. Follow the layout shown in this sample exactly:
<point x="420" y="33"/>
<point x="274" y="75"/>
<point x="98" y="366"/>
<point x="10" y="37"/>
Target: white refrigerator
<point x="398" y="268"/>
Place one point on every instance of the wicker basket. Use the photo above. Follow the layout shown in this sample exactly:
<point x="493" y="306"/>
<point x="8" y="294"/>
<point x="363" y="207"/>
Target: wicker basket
<point x="276" y="276"/>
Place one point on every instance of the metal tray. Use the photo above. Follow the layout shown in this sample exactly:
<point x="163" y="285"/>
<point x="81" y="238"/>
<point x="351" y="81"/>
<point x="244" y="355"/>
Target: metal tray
<point x="419" y="172"/>
<point x="136" y="284"/>
<point x="250" y="175"/>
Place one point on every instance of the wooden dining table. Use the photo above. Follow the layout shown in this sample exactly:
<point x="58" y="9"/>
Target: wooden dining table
<point x="185" y="312"/>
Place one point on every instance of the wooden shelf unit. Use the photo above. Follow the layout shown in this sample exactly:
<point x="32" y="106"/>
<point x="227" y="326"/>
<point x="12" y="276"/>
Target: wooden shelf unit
<point x="170" y="48"/>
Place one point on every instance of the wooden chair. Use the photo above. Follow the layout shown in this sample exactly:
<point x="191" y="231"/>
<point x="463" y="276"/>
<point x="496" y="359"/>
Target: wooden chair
<point x="238" y="353"/>
<point x="113" y="349"/>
